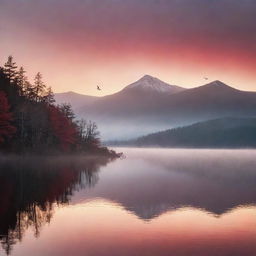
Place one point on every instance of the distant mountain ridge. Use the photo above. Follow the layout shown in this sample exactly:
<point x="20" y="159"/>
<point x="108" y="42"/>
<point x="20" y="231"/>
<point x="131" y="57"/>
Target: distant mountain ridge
<point x="147" y="86"/>
<point x="150" y="105"/>
<point x="219" y="133"/>
<point x="73" y="98"/>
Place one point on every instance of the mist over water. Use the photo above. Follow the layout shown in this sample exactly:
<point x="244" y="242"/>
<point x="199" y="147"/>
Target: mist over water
<point x="153" y="202"/>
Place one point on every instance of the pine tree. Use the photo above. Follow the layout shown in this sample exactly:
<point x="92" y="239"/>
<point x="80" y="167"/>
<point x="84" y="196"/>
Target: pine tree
<point x="10" y="69"/>
<point x="21" y="80"/>
<point x="49" y="96"/>
<point x="39" y="87"/>
<point x="29" y="91"/>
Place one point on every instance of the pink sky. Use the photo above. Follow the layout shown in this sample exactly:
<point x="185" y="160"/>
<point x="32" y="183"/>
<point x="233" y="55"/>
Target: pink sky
<point x="80" y="44"/>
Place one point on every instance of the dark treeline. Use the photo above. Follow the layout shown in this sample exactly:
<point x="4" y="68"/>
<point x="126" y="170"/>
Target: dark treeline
<point x="218" y="133"/>
<point x="31" y="122"/>
<point x="28" y="191"/>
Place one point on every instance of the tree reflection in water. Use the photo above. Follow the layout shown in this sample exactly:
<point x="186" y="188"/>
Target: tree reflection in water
<point x="30" y="188"/>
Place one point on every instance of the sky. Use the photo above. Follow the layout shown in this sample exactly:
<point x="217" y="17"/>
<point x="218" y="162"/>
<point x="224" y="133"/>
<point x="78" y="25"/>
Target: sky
<point x="79" y="44"/>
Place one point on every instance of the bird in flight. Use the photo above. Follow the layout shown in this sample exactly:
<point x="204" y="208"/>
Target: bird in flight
<point x="98" y="88"/>
<point x="205" y="78"/>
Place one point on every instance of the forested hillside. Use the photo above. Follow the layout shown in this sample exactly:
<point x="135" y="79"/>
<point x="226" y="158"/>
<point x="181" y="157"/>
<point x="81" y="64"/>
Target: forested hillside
<point x="218" y="133"/>
<point x="31" y="122"/>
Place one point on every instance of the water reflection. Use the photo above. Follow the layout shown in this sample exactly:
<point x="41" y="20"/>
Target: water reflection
<point x="152" y="181"/>
<point x="29" y="189"/>
<point x="154" y="202"/>
<point x="101" y="228"/>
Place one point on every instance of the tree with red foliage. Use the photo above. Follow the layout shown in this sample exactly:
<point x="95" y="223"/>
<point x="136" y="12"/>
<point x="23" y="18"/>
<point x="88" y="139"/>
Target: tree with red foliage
<point x="63" y="129"/>
<point x="39" y="124"/>
<point x="6" y="129"/>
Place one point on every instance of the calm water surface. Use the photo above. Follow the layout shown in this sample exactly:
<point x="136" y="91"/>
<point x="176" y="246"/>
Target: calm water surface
<point x="166" y="202"/>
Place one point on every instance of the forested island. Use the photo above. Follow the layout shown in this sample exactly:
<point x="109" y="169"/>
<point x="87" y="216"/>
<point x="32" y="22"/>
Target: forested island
<point x="31" y="122"/>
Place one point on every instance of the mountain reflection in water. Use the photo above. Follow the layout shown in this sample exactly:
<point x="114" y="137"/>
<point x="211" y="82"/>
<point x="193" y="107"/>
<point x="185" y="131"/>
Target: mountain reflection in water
<point x="154" y="202"/>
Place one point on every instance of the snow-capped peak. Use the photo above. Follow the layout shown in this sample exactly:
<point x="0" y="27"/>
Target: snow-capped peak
<point x="152" y="84"/>
<point x="217" y="83"/>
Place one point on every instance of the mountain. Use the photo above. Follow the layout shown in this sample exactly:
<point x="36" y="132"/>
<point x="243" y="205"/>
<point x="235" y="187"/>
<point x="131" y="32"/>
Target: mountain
<point x="75" y="99"/>
<point x="150" y="105"/>
<point x="120" y="114"/>
<point x="220" y="133"/>
<point x="148" y="84"/>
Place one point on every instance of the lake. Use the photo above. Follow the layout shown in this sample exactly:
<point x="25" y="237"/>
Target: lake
<point x="166" y="202"/>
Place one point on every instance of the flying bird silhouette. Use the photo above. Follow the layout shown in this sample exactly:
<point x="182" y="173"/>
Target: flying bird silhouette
<point x="205" y="78"/>
<point x="98" y="88"/>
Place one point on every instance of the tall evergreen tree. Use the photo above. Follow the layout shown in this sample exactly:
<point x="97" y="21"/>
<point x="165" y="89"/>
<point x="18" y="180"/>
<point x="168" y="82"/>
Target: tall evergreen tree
<point x="10" y="69"/>
<point x="21" y="80"/>
<point x="48" y="98"/>
<point x="39" y="87"/>
<point x="29" y="91"/>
